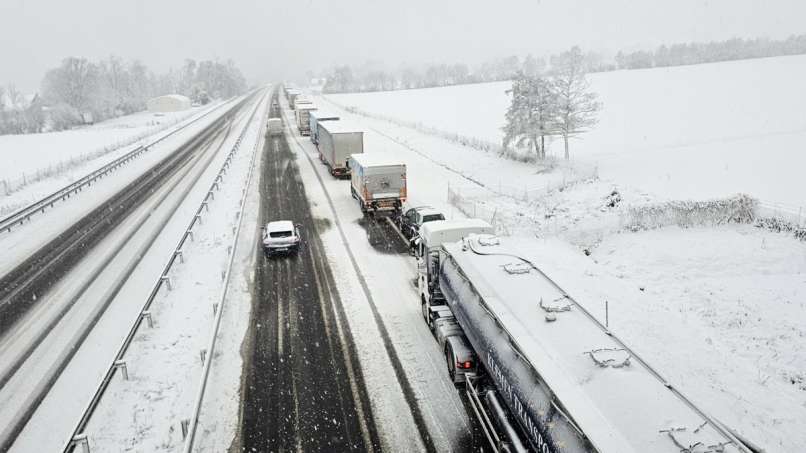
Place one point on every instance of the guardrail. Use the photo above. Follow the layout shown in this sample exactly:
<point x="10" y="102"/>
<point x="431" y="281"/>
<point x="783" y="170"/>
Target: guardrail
<point x="23" y="215"/>
<point x="79" y="438"/>
<point x="194" y="420"/>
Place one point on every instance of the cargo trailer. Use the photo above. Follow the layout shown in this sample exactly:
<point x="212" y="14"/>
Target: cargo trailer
<point x="302" y="115"/>
<point x="379" y="184"/>
<point x="337" y="141"/>
<point x="314" y="118"/>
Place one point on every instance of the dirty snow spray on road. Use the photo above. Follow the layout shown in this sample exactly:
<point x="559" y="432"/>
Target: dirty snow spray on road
<point x="303" y="388"/>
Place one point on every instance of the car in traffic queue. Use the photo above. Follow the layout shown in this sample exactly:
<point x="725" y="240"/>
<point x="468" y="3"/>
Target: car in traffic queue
<point x="281" y="237"/>
<point x="412" y="219"/>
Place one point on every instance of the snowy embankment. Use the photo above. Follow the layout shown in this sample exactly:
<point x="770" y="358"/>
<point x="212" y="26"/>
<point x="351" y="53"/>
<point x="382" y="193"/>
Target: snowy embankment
<point x="716" y="306"/>
<point x="35" y="165"/>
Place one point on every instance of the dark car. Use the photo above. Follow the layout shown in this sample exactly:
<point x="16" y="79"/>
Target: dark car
<point x="411" y="220"/>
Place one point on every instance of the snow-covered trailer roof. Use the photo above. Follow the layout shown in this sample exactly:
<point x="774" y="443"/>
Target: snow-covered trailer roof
<point x="305" y="106"/>
<point x="320" y="114"/>
<point x="373" y="160"/>
<point x="439" y="231"/>
<point x="340" y="127"/>
<point x="614" y="397"/>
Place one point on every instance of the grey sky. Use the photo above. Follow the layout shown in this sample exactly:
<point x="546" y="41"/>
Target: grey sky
<point x="271" y="39"/>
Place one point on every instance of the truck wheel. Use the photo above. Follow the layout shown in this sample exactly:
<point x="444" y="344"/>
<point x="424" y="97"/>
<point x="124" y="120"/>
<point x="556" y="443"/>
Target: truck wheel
<point x="451" y="364"/>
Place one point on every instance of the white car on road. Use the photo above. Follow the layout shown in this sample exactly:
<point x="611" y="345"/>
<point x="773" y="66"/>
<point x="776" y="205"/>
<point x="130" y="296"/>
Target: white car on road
<point x="281" y="236"/>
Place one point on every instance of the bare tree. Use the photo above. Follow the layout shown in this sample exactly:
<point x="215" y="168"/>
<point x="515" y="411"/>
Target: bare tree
<point x="74" y="83"/>
<point x="15" y="98"/>
<point x="577" y="105"/>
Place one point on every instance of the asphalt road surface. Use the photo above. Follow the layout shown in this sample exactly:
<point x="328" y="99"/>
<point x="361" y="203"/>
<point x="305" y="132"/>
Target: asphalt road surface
<point x="303" y="388"/>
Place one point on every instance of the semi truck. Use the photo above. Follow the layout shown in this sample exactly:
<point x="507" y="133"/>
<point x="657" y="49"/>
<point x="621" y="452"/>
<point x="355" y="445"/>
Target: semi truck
<point x="302" y="114"/>
<point x="540" y="372"/>
<point x="337" y="141"/>
<point x="314" y="118"/>
<point x="378" y="184"/>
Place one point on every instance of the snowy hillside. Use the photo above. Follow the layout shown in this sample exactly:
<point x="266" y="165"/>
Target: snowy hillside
<point x="694" y="131"/>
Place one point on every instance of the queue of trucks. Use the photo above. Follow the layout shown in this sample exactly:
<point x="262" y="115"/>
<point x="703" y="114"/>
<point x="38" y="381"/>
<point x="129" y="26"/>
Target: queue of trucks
<point x="539" y="371"/>
<point x="379" y="186"/>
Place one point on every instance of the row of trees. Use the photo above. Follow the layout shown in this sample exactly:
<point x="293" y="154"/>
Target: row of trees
<point x="557" y="103"/>
<point x="710" y="52"/>
<point x="79" y="90"/>
<point x="373" y="76"/>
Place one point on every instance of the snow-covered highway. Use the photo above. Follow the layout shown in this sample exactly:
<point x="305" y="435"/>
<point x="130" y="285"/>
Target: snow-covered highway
<point x="55" y="353"/>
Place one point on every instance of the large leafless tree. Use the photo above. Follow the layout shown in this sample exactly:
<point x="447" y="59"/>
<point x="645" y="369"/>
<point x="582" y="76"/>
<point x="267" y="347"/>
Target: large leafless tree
<point x="576" y="105"/>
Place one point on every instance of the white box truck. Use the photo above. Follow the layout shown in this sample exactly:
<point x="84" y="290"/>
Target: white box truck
<point x="302" y="114"/>
<point x="337" y="141"/>
<point x="379" y="184"/>
<point x="314" y="118"/>
<point x="275" y="126"/>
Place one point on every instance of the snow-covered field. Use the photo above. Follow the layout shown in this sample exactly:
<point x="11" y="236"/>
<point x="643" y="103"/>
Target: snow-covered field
<point x="34" y="165"/>
<point x="698" y="131"/>
<point x="718" y="309"/>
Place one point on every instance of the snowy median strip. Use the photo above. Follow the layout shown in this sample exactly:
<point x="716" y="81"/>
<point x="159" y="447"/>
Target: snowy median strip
<point x="79" y="437"/>
<point x="219" y="306"/>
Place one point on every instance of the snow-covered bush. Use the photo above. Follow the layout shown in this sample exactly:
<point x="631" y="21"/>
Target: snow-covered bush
<point x="738" y="209"/>
<point x="779" y="225"/>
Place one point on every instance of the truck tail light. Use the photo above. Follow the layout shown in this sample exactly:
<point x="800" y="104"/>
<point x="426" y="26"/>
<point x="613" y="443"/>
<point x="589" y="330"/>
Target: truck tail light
<point x="466" y="365"/>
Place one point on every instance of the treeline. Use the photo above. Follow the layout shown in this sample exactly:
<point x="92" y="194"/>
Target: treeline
<point x="81" y="91"/>
<point x="372" y="76"/>
<point x="710" y="52"/>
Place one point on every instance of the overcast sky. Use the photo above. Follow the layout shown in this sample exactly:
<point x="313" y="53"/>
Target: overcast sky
<point x="272" y="39"/>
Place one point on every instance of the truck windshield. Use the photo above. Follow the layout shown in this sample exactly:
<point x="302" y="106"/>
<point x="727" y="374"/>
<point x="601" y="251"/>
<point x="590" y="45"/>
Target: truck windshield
<point x="432" y="217"/>
<point x="280" y="234"/>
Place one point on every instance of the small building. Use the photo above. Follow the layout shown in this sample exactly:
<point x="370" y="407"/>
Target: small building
<point x="168" y="103"/>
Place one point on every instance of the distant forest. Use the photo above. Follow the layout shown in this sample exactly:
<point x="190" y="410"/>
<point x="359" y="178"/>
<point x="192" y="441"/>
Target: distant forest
<point x="80" y="91"/>
<point x="372" y="76"/>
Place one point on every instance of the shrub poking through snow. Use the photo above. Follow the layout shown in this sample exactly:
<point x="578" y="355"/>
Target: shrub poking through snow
<point x="685" y="214"/>
<point x="780" y="225"/>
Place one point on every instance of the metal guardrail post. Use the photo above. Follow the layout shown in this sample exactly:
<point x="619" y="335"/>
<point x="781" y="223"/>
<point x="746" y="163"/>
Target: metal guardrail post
<point x="121" y="365"/>
<point x="82" y="440"/>
<point x="146" y="314"/>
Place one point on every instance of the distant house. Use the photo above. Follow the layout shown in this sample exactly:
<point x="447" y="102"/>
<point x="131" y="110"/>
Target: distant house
<point x="169" y="103"/>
